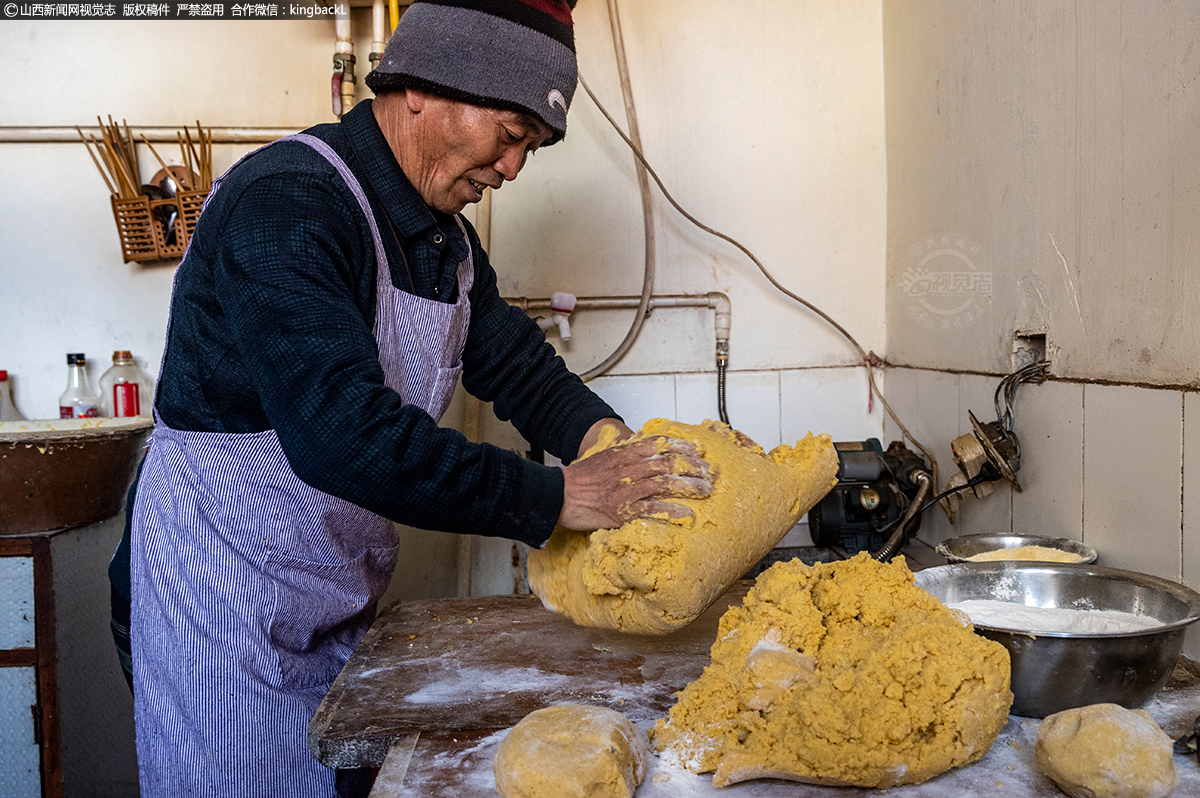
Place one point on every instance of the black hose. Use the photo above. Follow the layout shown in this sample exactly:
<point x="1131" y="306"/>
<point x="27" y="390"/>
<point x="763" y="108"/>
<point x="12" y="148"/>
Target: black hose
<point x="721" y="392"/>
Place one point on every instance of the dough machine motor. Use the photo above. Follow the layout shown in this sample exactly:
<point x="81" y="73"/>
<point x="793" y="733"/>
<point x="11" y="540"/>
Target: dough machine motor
<point x="875" y="488"/>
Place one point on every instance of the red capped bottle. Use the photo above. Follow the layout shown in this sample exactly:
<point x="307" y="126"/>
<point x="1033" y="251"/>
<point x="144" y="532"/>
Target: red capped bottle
<point x="125" y="390"/>
<point x="8" y="410"/>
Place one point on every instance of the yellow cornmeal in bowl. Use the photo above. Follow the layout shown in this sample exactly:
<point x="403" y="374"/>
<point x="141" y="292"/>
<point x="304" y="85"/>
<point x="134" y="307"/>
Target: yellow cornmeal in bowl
<point x="1038" y="553"/>
<point x="841" y="673"/>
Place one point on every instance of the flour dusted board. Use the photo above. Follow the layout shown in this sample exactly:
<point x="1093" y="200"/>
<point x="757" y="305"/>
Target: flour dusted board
<point x="485" y="663"/>
<point x="459" y="765"/>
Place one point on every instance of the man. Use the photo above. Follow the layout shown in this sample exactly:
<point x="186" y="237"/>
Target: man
<point x="328" y="303"/>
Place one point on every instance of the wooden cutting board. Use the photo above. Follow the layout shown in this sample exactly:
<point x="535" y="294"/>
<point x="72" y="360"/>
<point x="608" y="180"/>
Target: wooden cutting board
<point x="484" y="663"/>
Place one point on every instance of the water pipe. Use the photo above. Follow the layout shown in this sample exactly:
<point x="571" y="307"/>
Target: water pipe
<point x="562" y="304"/>
<point x="378" y="32"/>
<point x="342" y="84"/>
<point x="719" y="302"/>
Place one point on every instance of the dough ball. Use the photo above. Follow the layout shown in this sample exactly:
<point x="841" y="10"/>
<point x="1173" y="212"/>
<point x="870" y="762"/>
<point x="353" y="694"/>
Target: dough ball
<point x="571" y="751"/>
<point x="656" y="575"/>
<point x="841" y="673"/>
<point x="1107" y="751"/>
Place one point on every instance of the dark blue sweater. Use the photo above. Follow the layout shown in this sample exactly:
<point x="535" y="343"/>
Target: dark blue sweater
<point x="271" y="322"/>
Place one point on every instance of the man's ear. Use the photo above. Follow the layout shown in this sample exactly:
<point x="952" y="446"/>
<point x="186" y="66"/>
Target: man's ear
<point x="416" y="99"/>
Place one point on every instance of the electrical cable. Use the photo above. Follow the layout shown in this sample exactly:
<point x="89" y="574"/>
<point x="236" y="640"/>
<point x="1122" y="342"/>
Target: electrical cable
<point x="639" y="318"/>
<point x="1006" y="392"/>
<point x="869" y="360"/>
<point x="986" y="474"/>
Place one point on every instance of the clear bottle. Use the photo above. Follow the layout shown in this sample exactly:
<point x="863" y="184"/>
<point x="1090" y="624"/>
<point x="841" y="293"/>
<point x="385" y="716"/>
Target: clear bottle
<point x="125" y="390"/>
<point x="77" y="401"/>
<point x="8" y="410"/>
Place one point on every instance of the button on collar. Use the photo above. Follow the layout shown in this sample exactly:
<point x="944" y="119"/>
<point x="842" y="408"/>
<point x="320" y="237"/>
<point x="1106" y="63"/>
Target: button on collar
<point x="438" y="238"/>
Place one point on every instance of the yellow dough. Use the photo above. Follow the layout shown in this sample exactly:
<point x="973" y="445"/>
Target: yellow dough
<point x="655" y="575"/>
<point x="571" y="751"/>
<point x="843" y="673"/>
<point x="1039" y="553"/>
<point x="1107" y="751"/>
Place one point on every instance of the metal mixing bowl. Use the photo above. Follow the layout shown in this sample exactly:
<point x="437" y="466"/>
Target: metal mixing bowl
<point x="1053" y="671"/>
<point x="963" y="547"/>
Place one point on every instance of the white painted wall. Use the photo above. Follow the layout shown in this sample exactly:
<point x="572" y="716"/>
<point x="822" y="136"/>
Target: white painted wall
<point x="1062" y="139"/>
<point x="766" y="123"/>
<point x="1052" y="147"/>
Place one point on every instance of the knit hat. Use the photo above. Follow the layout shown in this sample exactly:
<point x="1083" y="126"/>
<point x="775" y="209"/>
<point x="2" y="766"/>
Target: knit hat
<point x="516" y="55"/>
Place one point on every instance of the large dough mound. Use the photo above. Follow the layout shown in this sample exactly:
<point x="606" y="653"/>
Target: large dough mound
<point x="843" y="674"/>
<point x="571" y="751"/>
<point x="1107" y="751"/>
<point x="655" y="575"/>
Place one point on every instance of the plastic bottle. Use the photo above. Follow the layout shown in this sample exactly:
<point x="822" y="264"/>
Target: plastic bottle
<point x="77" y="401"/>
<point x="8" y="410"/>
<point x="125" y="390"/>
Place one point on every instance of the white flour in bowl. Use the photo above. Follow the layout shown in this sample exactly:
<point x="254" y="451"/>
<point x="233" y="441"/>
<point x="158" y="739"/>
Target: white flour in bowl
<point x="1008" y="615"/>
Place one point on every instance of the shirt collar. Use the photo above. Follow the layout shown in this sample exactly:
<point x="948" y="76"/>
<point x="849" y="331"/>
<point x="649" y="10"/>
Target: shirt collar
<point x="400" y="199"/>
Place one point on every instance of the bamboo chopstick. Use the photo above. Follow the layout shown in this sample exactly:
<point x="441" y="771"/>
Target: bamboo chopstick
<point x="95" y="160"/>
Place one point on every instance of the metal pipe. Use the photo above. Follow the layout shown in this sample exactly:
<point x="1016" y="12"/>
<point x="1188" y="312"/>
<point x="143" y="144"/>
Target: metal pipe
<point x="925" y="487"/>
<point x="343" y="64"/>
<point x="714" y="299"/>
<point x="719" y="302"/>
<point x="14" y="134"/>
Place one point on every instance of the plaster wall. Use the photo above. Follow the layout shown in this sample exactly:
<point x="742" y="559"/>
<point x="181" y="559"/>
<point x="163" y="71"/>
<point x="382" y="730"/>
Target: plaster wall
<point x="1043" y="179"/>
<point x="1049" y="152"/>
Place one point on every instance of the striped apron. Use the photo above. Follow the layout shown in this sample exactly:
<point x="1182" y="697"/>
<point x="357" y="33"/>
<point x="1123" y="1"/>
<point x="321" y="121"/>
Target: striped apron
<point x="250" y="588"/>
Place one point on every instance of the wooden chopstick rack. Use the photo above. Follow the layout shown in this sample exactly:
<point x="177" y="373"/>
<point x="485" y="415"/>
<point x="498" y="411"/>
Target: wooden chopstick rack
<point x="115" y="157"/>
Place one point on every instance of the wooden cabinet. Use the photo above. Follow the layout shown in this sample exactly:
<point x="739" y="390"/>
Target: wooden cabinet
<point x="29" y="724"/>
<point x="66" y="714"/>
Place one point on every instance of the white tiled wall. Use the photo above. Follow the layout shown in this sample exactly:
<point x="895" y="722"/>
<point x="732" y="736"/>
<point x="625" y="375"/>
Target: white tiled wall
<point x="772" y="407"/>
<point x="1132" y="477"/>
<point x="1106" y="464"/>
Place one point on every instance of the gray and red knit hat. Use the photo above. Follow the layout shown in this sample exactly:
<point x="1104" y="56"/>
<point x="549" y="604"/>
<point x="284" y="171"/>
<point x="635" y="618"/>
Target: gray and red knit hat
<point x="518" y="55"/>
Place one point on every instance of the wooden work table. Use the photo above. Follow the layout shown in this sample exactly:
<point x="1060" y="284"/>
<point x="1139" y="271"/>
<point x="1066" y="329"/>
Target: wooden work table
<point x="435" y="685"/>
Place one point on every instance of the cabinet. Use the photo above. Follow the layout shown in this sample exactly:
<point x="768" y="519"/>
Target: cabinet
<point x="29" y="724"/>
<point x="66" y="714"/>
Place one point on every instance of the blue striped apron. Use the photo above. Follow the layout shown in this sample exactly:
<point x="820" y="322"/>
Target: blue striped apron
<point x="250" y="588"/>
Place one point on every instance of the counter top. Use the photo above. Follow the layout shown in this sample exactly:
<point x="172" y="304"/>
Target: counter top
<point x="459" y="764"/>
<point x="435" y="686"/>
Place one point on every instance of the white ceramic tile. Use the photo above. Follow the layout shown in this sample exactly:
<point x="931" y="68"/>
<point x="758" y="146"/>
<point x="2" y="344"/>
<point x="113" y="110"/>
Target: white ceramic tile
<point x="1191" y="508"/>
<point x="1132" y="460"/>
<point x="639" y="398"/>
<point x="751" y="400"/>
<point x="1191" y="494"/>
<point x="833" y="401"/>
<point x="1049" y="424"/>
<point x="928" y="404"/>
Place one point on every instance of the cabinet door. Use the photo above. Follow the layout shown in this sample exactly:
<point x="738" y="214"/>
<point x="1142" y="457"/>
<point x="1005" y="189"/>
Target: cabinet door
<point x="19" y="750"/>
<point x="16" y="603"/>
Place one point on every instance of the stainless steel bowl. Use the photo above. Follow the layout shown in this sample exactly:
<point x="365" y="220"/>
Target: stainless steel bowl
<point x="963" y="547"/>
<point x="1053" y="671"/>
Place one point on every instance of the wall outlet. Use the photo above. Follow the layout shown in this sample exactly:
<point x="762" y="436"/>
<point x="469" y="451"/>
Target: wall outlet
<point x="1028" y="348"/>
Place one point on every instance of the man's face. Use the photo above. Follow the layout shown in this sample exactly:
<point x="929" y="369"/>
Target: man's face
<point x="458" y="149"/>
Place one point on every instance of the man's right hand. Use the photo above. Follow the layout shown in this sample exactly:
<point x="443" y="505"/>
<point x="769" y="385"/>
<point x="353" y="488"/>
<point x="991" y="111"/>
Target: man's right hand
<point x="633" y="480"/>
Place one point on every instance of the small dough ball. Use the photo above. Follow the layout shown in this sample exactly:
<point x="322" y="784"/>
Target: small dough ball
<point x="1107" y="751"/>
<point x="572" y="751"/>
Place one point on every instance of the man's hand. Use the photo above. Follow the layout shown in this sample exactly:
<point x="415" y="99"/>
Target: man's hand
<point x="624" y="482"/>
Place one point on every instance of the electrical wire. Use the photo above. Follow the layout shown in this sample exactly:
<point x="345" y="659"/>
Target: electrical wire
<point x="868" y="360"/>
<point x="1006" y="392"/>
<point x="643" y="311"/>
<point x="987" y="474"/>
